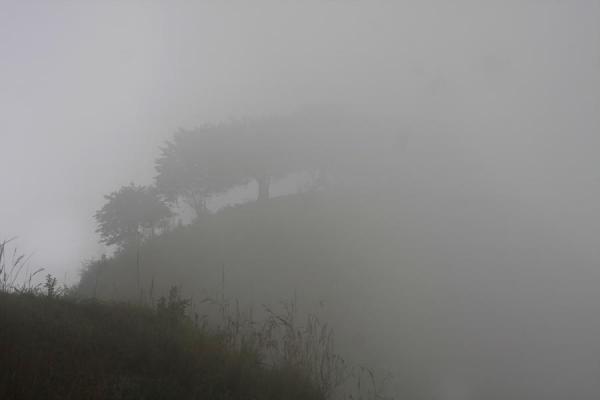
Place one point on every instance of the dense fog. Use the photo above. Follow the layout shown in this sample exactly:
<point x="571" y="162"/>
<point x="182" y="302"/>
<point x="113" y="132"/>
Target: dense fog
<point x="446" y="152"/>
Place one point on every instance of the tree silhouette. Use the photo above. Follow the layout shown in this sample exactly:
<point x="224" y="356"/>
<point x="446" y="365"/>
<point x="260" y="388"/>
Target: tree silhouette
<point x="129" y="214"/>
<point x="211" y="159"/>
<point x="195" y="165"/>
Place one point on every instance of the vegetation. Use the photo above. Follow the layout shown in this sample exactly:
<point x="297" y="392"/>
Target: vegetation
<point x="57" y="345"/>
<point x="264" y="248"/>
<point x="129" y="214"/>
<point x="257" y="253"/>
<point x="166" y="346"/>
<point x="60" y="348"/>
<point x="190" y="170"/>
<point x="284" y="235"/>
<point x="211" y="159"/>
<point x="15" y="275"/>
<point x="54" y="345"/>
<point x="198" y="163"/>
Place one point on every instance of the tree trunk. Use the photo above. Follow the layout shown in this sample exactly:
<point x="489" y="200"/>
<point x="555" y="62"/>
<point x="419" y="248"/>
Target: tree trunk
<point x="199" y="206"/>
<point x="263" y="188"/>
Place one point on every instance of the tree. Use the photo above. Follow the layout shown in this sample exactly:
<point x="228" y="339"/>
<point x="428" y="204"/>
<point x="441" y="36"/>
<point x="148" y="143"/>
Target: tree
<point x="199" y="163"/>
<point x="211" y="159"/>
<point x="129" y="214"/>
<point x="262" y="151"/>
<point x="195" y="165"/>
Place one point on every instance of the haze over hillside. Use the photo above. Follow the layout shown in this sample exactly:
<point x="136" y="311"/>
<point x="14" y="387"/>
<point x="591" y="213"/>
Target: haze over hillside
<point x="460" y="225"/>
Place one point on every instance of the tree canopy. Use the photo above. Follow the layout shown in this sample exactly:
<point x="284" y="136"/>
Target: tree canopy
<point x="130" y="212"/>
<point x="191" y="167"/>
<point x="211" y="159"/>
<point x="198" y="163"/>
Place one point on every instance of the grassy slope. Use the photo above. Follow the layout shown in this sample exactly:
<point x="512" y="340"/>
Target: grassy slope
<point x="332" y="247"/>
<point x="268" y="250"/>
<point x="57" y="348"/>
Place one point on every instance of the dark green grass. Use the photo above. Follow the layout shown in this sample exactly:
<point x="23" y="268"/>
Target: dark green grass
<point x="60" y="348"/>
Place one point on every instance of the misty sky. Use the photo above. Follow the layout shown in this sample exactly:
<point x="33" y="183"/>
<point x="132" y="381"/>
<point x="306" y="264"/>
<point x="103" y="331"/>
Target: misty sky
<point x="89" y="90"/>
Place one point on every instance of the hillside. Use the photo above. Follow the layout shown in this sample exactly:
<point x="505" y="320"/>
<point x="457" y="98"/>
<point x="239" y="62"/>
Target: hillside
<point x="267" y="250"/>
<point x="416" y="282"/>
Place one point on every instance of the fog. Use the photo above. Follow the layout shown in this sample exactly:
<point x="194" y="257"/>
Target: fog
<point x="479" y="120"/>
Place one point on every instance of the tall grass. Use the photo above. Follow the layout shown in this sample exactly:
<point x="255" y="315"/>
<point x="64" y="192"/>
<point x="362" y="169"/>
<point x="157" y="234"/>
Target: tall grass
<point x="280" y="340"/>
<point x="281" y="336"/>
<point x="15" y="273"/>
<point x="53" y="347"/>
<point x="283" y="339"/>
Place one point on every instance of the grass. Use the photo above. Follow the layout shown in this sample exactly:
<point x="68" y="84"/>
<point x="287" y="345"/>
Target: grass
<point x="57" y="346"/>
<point x="62" y="348"/>
<point x="15" y="274"/>
<point x="54" y="345"/>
